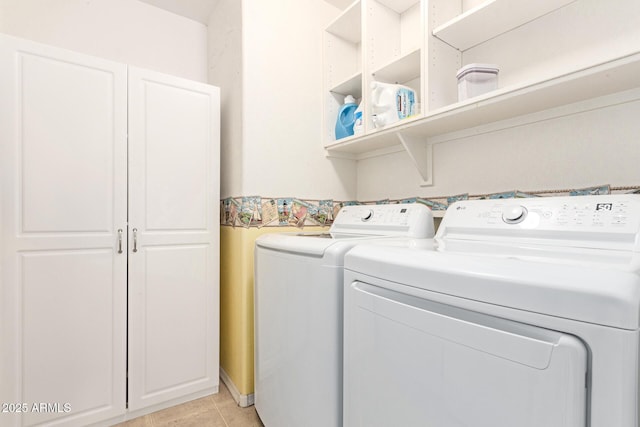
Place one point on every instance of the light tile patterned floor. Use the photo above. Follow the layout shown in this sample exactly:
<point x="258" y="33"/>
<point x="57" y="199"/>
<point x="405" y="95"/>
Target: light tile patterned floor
<point x="218" y="410"/>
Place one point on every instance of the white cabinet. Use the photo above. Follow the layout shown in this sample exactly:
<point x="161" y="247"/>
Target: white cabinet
<point x="73" y="188"/>
<point x="174" y="249"/>
<point x="548" y="53"/>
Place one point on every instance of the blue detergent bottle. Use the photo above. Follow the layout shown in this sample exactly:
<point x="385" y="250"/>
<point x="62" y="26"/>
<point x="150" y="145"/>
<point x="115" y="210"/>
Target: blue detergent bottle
<point x="346" y="118"/>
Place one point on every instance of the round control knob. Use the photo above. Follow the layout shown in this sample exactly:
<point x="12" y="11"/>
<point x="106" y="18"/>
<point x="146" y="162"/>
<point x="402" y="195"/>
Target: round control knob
<point x="514" y="214"/>
<point x="368" y="215"/>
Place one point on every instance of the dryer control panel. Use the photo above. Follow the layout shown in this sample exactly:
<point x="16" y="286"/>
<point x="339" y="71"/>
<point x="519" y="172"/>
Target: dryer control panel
<point x="607" y="221"/>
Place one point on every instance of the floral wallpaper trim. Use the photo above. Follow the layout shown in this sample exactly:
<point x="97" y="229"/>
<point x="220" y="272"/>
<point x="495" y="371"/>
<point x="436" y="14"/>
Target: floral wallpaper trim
<point x="258" y="211"/>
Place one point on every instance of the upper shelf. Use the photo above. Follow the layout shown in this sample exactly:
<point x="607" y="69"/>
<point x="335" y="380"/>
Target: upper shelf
<point x="492" y="18"/>
<point x="350" y="86"/>
<point x="602" y="79"/>
<point x="400" y="70"/>
<point x="348" y="24"/>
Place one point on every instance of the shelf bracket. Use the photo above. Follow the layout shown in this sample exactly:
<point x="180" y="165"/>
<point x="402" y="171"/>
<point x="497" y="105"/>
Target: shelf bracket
<point x="420" y="150"/>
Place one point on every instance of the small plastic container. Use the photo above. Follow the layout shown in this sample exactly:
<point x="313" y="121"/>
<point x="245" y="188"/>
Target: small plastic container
<point x="476" y="79"/>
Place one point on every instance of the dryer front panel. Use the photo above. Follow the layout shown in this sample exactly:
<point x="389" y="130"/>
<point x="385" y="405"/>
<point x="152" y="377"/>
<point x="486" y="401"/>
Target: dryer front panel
<point x="414" y="362"/>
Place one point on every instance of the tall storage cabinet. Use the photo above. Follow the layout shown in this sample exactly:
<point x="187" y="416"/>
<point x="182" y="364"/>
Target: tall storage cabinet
<point x="109" y="247"/>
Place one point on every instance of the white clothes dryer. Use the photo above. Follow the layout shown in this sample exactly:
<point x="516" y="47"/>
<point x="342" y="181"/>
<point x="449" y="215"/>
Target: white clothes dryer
<point x="298" y="310"/>
<point x="527" y="314"/>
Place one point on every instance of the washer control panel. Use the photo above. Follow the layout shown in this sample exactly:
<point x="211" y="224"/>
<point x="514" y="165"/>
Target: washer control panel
<point x="412" y="220"/>
<point x="586" y="218"/>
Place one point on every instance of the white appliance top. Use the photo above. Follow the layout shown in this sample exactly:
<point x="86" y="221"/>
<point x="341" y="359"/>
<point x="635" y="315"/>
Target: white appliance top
<point x="571" y="257"/>
<point x="356" y="223"/>
<point x="408" y="220"/>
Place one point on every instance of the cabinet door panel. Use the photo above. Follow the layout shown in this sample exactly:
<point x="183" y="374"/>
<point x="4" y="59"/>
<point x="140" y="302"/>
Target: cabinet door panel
<point x="177" y="158"/>
<point x="173" y="207"/>
<point x="63" y="198"/>
<point x="66" y="127"/>
<point x="176" y="316"/>
<point x="67" y="330"/>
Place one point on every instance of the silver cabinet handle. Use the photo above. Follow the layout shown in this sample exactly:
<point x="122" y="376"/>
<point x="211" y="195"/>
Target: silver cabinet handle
<point x="135" y="240"/>
<point x="119" y="240"/>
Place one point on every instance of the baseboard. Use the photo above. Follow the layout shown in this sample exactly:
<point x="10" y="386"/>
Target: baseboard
<point x="243" y="400"/>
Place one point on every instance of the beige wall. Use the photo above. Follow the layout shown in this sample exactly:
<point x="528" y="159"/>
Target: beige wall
<point x="126" y="31"/>
<point x="225" y="70"/>
<point x="279" y="151"/>
<point x="588" y="148"/>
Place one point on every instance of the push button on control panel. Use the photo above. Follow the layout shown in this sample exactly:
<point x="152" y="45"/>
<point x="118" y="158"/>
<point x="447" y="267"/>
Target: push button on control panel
<point x="514" y="214"/>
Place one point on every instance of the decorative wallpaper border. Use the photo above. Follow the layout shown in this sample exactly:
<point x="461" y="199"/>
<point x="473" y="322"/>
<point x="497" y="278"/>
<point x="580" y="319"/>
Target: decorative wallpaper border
<point x="257" y="211"/>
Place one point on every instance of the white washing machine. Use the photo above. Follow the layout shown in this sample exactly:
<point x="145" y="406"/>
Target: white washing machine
<point x="526" y="314"/>
<point x="298" y="310"/>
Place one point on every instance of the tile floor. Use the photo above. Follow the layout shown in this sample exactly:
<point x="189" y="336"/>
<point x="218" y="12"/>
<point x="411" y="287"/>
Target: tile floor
<point x="218" y="410"/>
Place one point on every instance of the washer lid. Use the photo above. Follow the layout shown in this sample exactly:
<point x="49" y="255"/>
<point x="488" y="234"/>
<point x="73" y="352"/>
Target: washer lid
<point x="599" y="293"/>
<point x="312" y="244"/>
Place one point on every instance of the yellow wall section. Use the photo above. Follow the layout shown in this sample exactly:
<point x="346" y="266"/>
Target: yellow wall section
<point x="236" y="301"/>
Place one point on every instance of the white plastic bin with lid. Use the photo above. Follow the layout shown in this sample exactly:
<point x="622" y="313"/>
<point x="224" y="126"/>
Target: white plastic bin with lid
<point x="476" y="79"/>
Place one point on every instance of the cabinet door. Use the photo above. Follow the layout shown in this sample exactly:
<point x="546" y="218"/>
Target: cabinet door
<point x="174" y="238"/>
<point x="63" y="200"/>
